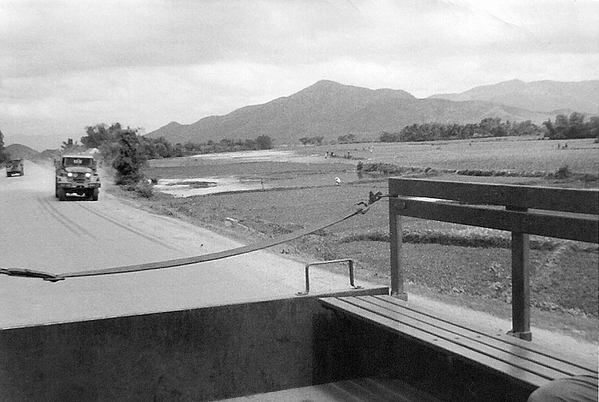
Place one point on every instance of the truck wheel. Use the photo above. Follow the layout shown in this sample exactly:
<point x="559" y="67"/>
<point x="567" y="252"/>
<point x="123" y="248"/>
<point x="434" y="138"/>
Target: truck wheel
<point x="95" y="194"/>
<point x="56" y="191"/>
<point x="62" y="195"/>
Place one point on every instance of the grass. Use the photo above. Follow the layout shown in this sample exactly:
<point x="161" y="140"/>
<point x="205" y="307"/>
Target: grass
<point x="515" y="154"/>
<point x="462" y="265"/>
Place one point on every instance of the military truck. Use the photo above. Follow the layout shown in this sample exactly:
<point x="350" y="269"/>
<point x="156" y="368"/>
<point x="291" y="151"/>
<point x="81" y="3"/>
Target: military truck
<point x="77" y="174"/>
<point x="15" y="166"/>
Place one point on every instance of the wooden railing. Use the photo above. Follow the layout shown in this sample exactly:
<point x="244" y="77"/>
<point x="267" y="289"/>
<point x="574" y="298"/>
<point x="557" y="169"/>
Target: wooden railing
<point x="522" y="210"/>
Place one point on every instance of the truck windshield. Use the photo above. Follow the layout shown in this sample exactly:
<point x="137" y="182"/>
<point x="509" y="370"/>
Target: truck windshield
<point x="77" y="161"/>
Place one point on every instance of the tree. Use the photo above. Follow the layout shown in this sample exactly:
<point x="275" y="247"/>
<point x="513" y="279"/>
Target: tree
<point x="561" y="126"/>
<point x="264" y="142"/>
<point x="551" y="133"/>
<point x="593" y="128"/>
<point x="130" y="159"/>
<point x="346" y="139"/>
<point x="576" y="127"/>
<point x="70" y="146"/>
<point x="4" y="156"/>
<point x="389" y="137"/>
<point x="100" y="134"/>
<point x="311" y="140"/>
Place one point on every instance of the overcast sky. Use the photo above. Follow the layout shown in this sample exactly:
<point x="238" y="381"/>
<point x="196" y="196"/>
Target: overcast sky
<point x="67" y="64"/>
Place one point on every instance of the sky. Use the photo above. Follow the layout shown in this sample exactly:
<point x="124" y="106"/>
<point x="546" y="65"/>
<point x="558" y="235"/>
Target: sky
<point x="68" y="64"/>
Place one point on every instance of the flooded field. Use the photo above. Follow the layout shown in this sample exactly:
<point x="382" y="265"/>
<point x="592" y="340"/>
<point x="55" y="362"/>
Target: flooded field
<point x="248" y="171"/>
<point x="204" y="186"/>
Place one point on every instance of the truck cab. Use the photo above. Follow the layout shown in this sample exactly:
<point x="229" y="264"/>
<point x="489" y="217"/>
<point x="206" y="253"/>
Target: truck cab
<point x="15" y="166"/>
<point x="77" y="174"/>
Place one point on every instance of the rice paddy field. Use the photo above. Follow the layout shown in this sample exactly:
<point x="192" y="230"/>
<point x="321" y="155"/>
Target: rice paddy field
<point x="300" y="187"/>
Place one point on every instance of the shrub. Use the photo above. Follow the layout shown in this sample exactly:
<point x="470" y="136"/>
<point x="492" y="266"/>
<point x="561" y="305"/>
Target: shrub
<point x="144" y="189"/>
<point x="563" y="172"/>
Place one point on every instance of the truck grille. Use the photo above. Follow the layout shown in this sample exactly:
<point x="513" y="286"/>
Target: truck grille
<point x="79" y="177"/>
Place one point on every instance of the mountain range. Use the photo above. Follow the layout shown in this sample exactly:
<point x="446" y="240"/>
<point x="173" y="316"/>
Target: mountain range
<point x="330" y="109"/>
<point x="19" y="151"/>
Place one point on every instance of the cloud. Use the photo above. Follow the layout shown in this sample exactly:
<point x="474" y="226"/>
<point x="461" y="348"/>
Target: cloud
<point x="145" y="63"/>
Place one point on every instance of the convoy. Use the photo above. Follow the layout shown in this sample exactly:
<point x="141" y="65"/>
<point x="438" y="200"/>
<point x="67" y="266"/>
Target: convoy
<point x="15" y="166"/>
<point x="77" y="174"/>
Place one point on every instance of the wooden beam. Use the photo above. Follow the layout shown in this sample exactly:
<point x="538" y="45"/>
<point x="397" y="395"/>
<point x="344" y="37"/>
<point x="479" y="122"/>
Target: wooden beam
<point x="582" y="201"/>
<point x="520" y="283"/>
<point x="579" y="228"/>
<point x="395" y="246"/>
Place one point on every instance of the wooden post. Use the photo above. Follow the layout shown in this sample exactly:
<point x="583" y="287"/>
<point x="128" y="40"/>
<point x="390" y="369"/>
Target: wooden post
<point x="395" y="243"/>
<point x="520" y="284"/>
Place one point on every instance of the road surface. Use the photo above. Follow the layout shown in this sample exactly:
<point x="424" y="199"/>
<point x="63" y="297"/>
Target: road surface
<point x="38" y="232"/>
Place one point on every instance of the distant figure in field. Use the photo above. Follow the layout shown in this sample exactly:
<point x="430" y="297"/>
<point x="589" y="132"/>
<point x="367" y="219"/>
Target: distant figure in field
<point x="579" y="388"/>
<point x="337" y="181"/>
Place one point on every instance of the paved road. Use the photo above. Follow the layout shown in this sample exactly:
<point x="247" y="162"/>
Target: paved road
<point x="39" y="232"/>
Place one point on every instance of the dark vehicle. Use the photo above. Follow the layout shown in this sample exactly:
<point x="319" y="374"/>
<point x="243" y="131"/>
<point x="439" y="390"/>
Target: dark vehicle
<point x="15" y="166"/>
<point x="77" y="174"/>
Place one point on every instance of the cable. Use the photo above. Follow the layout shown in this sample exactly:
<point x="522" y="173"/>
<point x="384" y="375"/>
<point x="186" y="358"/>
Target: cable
<point x="196" y="259"/>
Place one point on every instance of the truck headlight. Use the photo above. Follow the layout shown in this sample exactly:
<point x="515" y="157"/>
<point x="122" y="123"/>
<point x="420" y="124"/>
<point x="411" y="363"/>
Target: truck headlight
<point x="88" y="175"/>
<point x="70" y="174"/>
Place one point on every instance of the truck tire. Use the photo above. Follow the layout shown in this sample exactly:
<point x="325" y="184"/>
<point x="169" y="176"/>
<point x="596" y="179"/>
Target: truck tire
<point x="62" y="194"/>
<point x="56" y="191"/>
<point x="95" y="194"/>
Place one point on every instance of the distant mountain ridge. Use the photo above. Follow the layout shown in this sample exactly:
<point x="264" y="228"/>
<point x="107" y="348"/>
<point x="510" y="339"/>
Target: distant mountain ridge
<point x="18" y="151"/>
<point x="542" y="96"/>
<point x="37" y="142"/>
<point x="330" y="109"/>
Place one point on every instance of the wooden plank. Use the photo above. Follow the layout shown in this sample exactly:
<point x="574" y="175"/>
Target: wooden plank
<point x="460" y="352"/>
<point x="499" y="355"/>
<point x="357" y="390"/>
<point x="577" y="228"/>
<point x="395" y="246"/>
<point x="521" y="285"/>
<point x="393" y="390"/>
<point x="554" y="355"/>
<point x="582" y="201"/>
<point x="540" y="357"/>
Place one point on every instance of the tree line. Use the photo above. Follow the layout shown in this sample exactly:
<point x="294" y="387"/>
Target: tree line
<point x="565" y="127"/>
<point x="572" y="127"/>
<point x="105" y="137"/>
<point x="128" y="152"/>
<point x="488" y="127"/>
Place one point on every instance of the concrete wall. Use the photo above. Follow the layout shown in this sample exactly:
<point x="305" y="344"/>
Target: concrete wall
<point x="200" y="354"/>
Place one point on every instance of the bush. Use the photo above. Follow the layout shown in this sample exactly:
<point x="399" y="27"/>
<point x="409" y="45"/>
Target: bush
<point x="144" y="189"/>
<point x="129" y="159"/>
<point x="563" y="172"/>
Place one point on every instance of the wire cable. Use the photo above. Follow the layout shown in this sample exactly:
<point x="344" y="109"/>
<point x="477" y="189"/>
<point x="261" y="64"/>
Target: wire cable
<point x="364" y="206"/>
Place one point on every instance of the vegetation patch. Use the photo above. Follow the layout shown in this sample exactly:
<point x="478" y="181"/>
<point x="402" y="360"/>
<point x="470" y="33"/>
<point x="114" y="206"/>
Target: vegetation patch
<point x="561" y="173"/>
<point x="470" y="237"/>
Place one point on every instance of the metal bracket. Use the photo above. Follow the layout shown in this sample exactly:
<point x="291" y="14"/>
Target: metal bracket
<point x="351" y="273"/>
